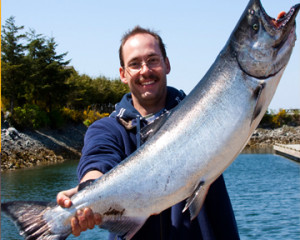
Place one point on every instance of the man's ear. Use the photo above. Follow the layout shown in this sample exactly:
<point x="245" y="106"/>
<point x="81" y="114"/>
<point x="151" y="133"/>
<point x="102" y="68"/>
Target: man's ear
<point x="168" y="65"/>
<point x="122" y="75"/>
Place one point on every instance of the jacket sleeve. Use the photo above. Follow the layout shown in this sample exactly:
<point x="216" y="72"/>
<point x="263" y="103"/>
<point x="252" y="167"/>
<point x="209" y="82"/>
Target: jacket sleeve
<point x="103" y="147"/>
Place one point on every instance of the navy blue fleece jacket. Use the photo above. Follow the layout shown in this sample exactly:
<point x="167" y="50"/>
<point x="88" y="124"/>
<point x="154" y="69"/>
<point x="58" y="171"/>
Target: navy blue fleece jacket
<point x="110" y="140"/>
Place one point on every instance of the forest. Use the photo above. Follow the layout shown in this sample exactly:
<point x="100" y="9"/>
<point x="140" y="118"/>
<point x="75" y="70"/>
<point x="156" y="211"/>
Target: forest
<point x="40" y="88"/>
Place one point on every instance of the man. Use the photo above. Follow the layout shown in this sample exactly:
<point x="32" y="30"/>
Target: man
<point x="144" y="67"/>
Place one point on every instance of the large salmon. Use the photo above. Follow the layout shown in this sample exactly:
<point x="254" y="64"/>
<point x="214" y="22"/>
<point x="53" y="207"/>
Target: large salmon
<point x="194" y="143"/>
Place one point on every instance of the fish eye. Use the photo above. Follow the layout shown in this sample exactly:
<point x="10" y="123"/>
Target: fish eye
<point x="255" y="27"/>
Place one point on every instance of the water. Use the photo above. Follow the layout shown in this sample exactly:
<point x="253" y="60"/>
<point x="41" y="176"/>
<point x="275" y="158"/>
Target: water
<point x="265" y="194"/>
<point x="41" y="184"/>
<point x="264" y="190"/>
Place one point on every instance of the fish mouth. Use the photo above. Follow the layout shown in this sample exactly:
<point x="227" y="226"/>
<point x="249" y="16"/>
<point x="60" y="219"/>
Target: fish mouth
<point x="284" y="23"/>
<point x="282" y="20"/>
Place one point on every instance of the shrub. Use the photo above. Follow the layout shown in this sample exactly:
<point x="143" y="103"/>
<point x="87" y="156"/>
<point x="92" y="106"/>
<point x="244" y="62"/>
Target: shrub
<point x="4" y="103"/>
<point x="87" y="117"/>
<point x="280" y="118"/>
<point x="57" y="119"/>
<point x="73" y="115"/>
<point x="283" y="117"/>
<point x="30" y="116"/>
<point x="295" y="117"/>
<point x="91" y="116"/>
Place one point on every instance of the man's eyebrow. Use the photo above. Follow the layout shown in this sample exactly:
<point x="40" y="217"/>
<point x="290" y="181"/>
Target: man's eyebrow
<point x="149" y="55"/>
<point x="134" y="59"/>
<point x="153" y="54"/>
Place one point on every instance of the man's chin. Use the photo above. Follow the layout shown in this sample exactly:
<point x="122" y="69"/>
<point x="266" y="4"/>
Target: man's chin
<point x="148" y="95"/>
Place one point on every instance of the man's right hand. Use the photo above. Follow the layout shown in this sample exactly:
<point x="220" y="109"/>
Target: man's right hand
<point x="84" y="219"/>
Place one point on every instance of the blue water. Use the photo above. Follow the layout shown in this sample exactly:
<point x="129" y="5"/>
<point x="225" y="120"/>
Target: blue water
<point x="265" y="194"/>
<point x="264" y="190"/>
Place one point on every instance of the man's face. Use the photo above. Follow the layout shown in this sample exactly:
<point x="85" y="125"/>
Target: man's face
<point x="147" y="84"/>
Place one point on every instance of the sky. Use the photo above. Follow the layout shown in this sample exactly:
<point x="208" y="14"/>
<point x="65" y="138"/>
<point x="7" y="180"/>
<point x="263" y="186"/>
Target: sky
<point x="194" y="32"/>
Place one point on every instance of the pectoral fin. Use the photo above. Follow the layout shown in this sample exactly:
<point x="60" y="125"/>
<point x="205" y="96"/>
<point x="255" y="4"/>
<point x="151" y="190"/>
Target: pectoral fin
<point x="259" y="96"/>
<point x="195" y="202"/>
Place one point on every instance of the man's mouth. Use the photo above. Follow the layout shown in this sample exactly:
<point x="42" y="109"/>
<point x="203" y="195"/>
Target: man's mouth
<point x="147" y="83"/>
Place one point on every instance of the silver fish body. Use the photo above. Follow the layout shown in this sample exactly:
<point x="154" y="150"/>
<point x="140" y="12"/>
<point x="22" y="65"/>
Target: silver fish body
<point x="198" y="140"/>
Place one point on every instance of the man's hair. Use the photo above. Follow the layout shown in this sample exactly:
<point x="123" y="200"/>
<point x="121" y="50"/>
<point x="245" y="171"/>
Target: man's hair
<point x="140" y="30"/>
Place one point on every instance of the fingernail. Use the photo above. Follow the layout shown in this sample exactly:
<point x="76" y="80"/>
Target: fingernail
<point x="87" y="211"/>
<point x="79" y="212"/>
<point x="75" y="221"/>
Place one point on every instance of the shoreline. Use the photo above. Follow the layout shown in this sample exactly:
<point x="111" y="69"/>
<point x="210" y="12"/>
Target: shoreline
<point x="37" y="147"/>
<point x="33" y="148"/>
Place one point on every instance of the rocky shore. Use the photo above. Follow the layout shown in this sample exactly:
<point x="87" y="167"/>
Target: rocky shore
<point x="262" y="138"/>
<point x="31" y="148"/>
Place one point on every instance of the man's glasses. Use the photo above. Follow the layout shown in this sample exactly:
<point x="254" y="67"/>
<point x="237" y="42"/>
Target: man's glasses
<point x="152" y="62"/>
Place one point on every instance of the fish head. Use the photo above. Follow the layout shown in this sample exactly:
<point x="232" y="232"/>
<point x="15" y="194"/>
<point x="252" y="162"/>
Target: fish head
<point x="261" y="44"/>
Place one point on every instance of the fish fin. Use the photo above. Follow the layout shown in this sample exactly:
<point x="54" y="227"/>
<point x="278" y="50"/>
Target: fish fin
<point x="28" y="217"/>
<point x="126" y="227"/>
<point x="260" y="100"/>
<point x="195" y="202"/>
<point x="149" y="130"/>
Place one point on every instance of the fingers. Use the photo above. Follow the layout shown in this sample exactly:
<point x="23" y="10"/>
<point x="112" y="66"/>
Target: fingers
<point x="63" y="201"/>
<point x="76" y="229"/>
<point x="63" y="198"/>
<point x="89" y="218"/>
<point x="84" y="219"/>
<point x="97" y="218"/>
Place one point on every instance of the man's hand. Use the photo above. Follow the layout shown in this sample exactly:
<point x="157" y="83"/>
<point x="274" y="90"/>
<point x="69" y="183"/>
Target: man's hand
<point x="84" y="219"/>
<point x="63" y="198"/>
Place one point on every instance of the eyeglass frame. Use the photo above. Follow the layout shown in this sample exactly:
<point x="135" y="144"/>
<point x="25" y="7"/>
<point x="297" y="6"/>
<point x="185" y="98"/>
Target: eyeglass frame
<point x="145" y="62"/>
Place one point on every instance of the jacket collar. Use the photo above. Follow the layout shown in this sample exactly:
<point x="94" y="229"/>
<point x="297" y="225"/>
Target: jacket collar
<point x="125" y="110"/>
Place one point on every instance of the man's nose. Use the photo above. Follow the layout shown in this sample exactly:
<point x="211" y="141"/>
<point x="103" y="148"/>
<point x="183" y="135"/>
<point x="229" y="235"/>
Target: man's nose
<point x="144" y="68"/>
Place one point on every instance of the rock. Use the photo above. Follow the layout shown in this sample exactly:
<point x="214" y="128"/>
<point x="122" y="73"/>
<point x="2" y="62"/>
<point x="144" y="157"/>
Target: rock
<point x="31" y="148"/>
<point x="268" y="137"/>
<point x="13" y="133"/>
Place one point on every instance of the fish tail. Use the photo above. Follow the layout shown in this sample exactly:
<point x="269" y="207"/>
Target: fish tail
<point x="29" y="218"/>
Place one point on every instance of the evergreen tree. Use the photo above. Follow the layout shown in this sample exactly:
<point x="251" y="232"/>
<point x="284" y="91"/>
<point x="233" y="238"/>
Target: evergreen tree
<point x="12" y="60"/>
<point x="36" y="81"/>
<point x="81" y="91"/>
<point x="47" y="83"/>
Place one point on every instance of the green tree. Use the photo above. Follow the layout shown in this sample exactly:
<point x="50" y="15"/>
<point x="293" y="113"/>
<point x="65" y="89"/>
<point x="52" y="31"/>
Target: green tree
<point x="38" y="83"/>
<point x="12" y="60"/>
<point x="81" y="91"/>
<point x="102" y="90"/>
<point x="47" y="82"/>
<point x="118" y="89"/>
<point x="97" y="92"/>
